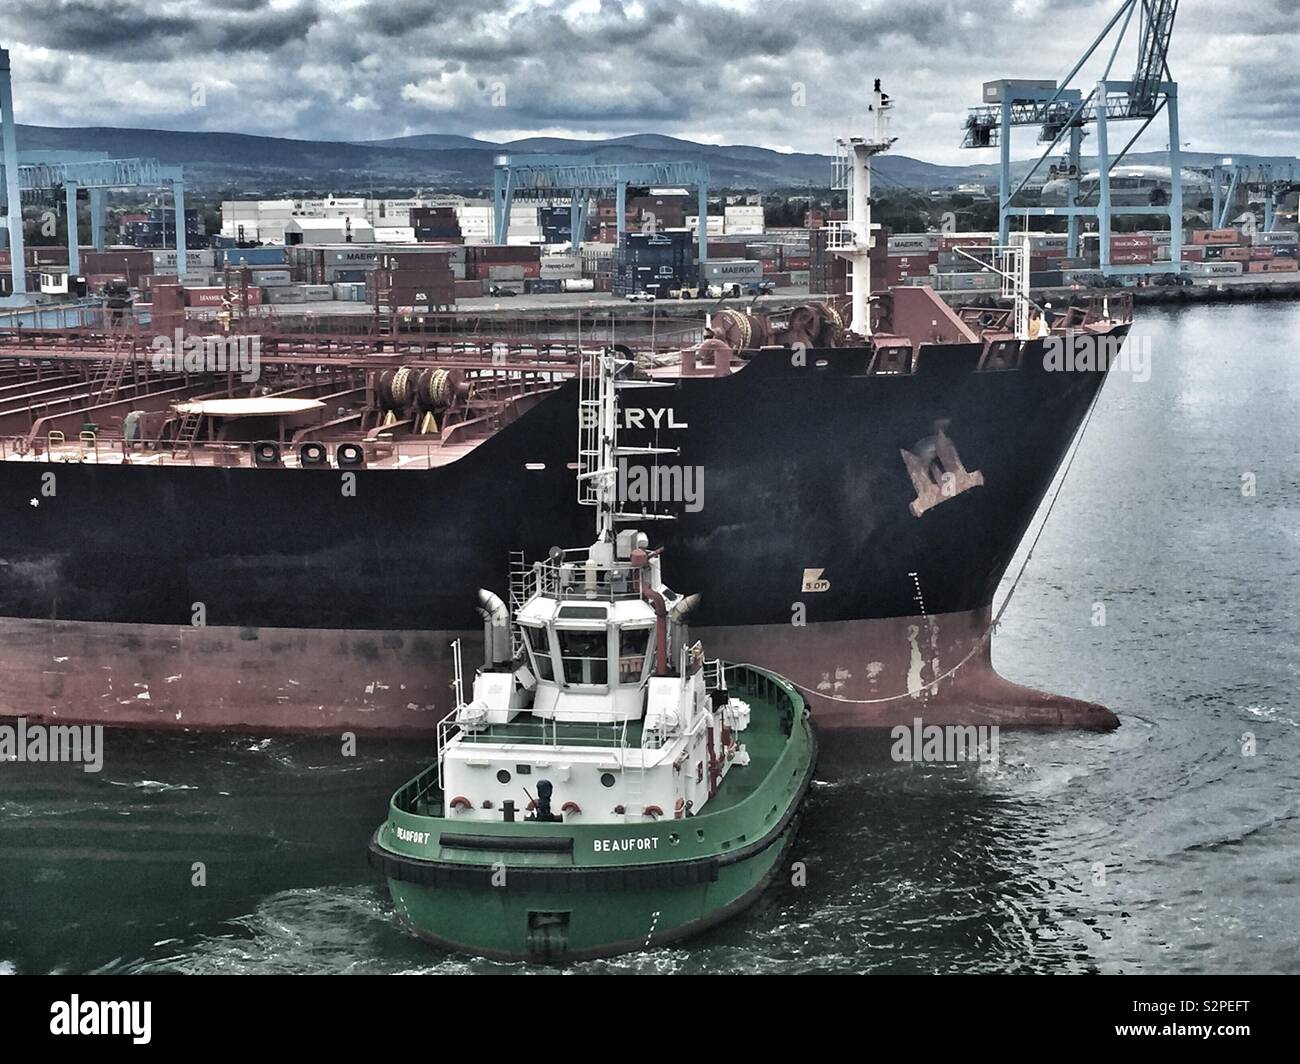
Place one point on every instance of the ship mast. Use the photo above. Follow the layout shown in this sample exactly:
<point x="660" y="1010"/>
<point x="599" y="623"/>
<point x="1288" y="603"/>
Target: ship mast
<point x="854" y="239"/>
<point x="598" y="450"/>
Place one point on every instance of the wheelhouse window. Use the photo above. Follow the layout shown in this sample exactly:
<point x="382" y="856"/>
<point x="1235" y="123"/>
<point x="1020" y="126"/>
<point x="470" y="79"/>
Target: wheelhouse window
<point x="584" y="654"/>
<point x="539" y="643"/>
<point x="632" y="646"/>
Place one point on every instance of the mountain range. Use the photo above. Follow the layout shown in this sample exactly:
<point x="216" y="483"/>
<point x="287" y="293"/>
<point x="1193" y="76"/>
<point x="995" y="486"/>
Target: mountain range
<point x="244" y="164"/>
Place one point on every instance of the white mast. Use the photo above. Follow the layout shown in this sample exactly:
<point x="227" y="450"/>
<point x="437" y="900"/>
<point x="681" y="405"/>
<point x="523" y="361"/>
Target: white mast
<point x="855" y="238"/>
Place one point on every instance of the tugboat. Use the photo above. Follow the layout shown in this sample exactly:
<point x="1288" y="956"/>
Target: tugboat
<point x="606" y="788"/>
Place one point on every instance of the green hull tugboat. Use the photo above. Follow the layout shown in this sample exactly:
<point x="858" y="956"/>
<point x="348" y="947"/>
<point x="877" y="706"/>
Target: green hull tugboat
<point x="606" y="788"/>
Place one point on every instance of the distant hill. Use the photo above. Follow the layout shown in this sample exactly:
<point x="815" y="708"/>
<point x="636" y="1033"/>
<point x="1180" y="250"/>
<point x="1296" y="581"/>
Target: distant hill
<point x="280" y="165"/>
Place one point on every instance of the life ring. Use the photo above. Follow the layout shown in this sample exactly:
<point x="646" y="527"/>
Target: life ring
<point x="679" y="809"/>
<point x="460" y="802"/>
<point x="652" y="810"/>
<point x="571" y="808"/>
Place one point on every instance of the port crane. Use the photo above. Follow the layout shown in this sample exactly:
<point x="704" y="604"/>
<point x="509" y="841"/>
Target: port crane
<point x="1272" y="178"/>
<point x="72" y="172"/>
<point x="1063" y="110"/>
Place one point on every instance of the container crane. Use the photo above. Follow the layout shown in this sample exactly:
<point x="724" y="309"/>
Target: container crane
<point x="1062" y="109"/>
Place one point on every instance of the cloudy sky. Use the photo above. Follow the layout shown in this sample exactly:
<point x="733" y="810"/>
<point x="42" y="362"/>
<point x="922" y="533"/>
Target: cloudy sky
<point x="719" y="71"/>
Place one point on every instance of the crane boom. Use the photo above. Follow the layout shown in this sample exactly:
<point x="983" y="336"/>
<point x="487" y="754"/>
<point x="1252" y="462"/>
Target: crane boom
<point x="1153" y="52"/>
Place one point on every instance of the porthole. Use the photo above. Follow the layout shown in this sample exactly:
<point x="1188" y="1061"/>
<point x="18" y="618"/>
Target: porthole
<point x="503" y="776"/>
<point x="607" y="779"/>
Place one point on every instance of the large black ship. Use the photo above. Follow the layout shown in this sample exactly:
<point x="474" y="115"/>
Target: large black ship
<point x="179" y="549"/>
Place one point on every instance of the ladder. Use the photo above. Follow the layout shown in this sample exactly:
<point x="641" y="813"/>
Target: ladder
<point x="633" y="788"/>
<point x="188" y="432"/>
<point x="518" y="596"/>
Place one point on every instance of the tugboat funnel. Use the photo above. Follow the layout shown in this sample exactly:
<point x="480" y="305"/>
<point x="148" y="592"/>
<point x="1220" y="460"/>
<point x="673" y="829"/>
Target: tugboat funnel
<point x="496" y="628"/>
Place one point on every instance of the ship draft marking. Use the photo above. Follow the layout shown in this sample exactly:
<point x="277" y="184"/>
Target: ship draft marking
<point x="937" y="472"/>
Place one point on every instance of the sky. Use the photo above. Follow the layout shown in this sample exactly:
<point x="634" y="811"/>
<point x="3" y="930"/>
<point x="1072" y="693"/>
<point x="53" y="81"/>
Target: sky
<point x="782" y="74"/>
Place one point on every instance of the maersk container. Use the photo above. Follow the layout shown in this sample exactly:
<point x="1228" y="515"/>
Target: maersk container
<point x="1213" y="269"/>
<point x="736" y="270"/>
<point x="272" y="277"/>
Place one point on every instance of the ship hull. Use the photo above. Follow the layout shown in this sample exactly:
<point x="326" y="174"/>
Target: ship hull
<point x="847" y="530"/>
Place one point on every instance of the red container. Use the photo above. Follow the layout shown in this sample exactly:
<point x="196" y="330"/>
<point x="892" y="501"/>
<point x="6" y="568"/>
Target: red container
<point x="1194" y="254"/>
<point x="1131" y="242"/>
<point x="956" y="240"/>
<point x="1236" y="254"/>
<point x="1281" y="266"/>
<point x="1215" y="236"/>
<point x="1261" y="253"/>
<point x="215" y="295"/>
<point x="1133" y="257"/>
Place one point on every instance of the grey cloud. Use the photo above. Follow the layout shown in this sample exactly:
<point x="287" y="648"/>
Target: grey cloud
<point x="667" y="66"/>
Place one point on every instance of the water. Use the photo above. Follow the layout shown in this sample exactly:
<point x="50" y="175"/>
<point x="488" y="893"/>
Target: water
<point x="1158" y="848"/>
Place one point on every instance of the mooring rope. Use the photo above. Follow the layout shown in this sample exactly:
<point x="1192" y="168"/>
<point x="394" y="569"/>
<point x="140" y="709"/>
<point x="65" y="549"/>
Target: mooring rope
<point x="988" y="632"/>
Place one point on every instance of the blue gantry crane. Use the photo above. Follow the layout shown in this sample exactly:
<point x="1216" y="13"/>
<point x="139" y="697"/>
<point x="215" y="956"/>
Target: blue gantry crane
<point x="1272" y="177"/>
<point x="580" y="178"/>
<point x="72" y="171"/>
<point x="1062" y="111"/>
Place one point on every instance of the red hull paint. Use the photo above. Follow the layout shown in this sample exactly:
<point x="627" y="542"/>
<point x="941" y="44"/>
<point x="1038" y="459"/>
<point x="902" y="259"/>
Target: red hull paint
<point x="314" y="680"/>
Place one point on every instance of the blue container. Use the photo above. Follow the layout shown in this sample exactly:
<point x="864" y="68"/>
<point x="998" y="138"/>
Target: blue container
<point x="259" y="256"/>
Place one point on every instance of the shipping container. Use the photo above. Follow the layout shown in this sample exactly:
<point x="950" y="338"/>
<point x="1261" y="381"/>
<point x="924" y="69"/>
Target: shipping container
<point x="1213" y="269"/>
<point x="349" y="292"/>
<point x="288" y="294"/>
<point x="1276" y="237"/>
<point x="269" y="276"/>
<point x="258" y="256"/>
<point x="1131" y="242"/>
<point x="741" y="270"/>
<point x="578" y="284"/>
<point x="215" y="296"/>
<point x="1133" y="257"/>
<point x="1214" y="236"/>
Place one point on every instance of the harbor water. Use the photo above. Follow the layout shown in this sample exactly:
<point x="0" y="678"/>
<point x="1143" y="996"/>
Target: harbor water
<point x="1165" y="585"/>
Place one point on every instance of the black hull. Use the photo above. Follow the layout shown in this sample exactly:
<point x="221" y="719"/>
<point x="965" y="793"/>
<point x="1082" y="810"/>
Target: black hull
<point x="802" y="471"/>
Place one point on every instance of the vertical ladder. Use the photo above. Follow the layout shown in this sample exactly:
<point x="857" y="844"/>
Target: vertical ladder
<point x="518" y="596"/>
<point x="633" y="788"/>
